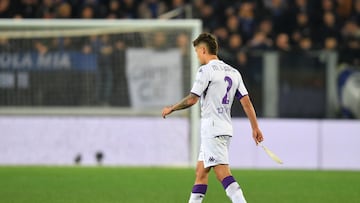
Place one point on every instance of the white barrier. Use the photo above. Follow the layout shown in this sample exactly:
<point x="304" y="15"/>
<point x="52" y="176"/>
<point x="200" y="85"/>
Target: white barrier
<point x="294" y="141"/>
<point x="148" y="141"/>
<point x="123" y="141"/>
<point x="304" y="144"/>
<point x="340" y="145"/>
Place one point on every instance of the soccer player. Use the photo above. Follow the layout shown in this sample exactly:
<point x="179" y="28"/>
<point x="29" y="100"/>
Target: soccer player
<point x="216" y="84"/>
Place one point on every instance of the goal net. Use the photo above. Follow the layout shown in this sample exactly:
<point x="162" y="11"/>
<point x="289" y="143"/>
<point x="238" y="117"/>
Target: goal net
<point x="97" y="67"/>
<point x="136" y="64"/>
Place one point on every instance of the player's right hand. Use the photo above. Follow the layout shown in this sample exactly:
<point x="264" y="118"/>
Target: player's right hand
<point x="166" y="111"/>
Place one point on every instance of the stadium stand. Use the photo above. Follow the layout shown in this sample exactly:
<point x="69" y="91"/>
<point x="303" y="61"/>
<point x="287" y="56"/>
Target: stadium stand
<point x="243" y="27"/>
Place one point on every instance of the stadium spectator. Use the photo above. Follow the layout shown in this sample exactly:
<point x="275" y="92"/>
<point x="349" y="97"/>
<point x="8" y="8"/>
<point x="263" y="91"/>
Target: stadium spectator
<point x="159" y="41"/>
<point x="182" y="42"/>
<point x="151" y="8"/>
<point x="305" y="44"/>
<point x="5" y="9"/>
<point x="328" y="6"/>
<point x="325" y="6"/>
<point x="234" y="45"/>
<point x="178" y="4"/>
<point x="260" y="42"/>
<point x="114" y="10"/>
<point x="41" y="47"/>
<point x="235" y="42"/>
<point x="241" y="61"/>
<point x="282" y="42"/>
<point x="350" y="52"/>
<point x="105" y="72"/>
<point x="120" y="83"/>
<point x="350" y="30"/>
<point x="301" y="6"/>
<point x="344" y="9"/>
<point x="246" y="16"/>
<point x="266" y="26"/>
<point x="129" y="8"/>
<point x="208" y="17"/>
<point x="329" y="28"/>
<point x="64" y="10"/>
<point x="222" y="35"/>
<point x="196" y="7"/>
<point x="302" y="28"/>
<point x="111" y="9"/>
<point x="355" y="15"/>
<point x="5" y="45"/>
<point x="232" y="24"/>
<point x="46" y="10"/>
<point x="277" y="10"/>
<point x="330" y="44"/>
<point x="87" y="12"/>
<point x="275" y="5"/>
<point x="27" y="8"/>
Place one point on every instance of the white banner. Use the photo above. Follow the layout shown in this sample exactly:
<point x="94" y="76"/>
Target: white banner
<point x="154" y="77"/>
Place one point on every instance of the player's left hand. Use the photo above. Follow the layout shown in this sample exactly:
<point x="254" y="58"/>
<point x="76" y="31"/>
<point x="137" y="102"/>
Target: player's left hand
<point x="166" y="111"/>
<point x="257" y="135"/>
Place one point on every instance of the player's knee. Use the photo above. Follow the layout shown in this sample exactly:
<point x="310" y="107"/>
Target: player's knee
<point x="201" y="175"/>
<point x="222" y="172"/>
<point x="220" y="176"/>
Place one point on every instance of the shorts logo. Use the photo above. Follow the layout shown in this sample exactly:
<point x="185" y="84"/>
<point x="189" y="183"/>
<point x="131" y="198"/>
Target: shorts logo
<point x="211" y="159"/>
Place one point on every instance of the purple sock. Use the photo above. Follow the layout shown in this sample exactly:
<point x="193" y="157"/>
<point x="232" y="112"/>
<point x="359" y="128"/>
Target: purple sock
<point x="227" y="181"/>
<point x="200" y="188"/>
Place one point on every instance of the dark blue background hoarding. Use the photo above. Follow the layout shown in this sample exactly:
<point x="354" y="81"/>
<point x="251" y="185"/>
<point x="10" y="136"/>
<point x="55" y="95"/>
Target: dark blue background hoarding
<point x="49" y="61"/>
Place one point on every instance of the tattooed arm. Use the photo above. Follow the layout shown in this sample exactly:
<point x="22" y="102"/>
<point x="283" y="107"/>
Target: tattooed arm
<point x="186" y="102"/>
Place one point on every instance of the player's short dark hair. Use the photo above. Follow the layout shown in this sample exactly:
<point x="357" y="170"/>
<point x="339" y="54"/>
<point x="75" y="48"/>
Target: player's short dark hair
<point x="209" y="40"/>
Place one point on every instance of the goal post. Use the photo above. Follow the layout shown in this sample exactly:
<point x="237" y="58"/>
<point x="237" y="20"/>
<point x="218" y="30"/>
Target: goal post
<point x="51" y="67"/>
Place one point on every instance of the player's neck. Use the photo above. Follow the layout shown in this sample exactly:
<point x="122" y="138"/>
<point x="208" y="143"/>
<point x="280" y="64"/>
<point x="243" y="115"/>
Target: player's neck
<point x="211" y="57"/>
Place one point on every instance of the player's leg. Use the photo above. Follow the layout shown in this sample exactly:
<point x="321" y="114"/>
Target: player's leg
<point x="201" y="182"/>
<point x="232" y="188"/>
<point x="223" y="173"/>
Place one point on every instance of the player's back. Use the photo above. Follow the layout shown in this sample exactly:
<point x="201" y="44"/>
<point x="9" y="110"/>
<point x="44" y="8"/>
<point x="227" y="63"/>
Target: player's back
<point x="224" y="83"/>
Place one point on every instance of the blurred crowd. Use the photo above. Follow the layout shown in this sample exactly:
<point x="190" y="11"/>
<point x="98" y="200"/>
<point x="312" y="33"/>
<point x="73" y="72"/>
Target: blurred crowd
<point x="240" y="25"/>
<point x="284" y="25"/>
<point x="244" y="29"/>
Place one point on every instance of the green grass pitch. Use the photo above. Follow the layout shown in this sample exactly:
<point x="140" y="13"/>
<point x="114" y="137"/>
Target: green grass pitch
<point x="38" y="184"/>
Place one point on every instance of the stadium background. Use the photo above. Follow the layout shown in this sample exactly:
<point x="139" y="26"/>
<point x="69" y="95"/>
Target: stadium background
<point x="299" y="58"/>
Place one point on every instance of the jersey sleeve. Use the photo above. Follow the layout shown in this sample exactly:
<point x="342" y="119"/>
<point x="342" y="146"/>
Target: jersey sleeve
<point x="201" y="82"/>
<point x="241" y="91"/>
